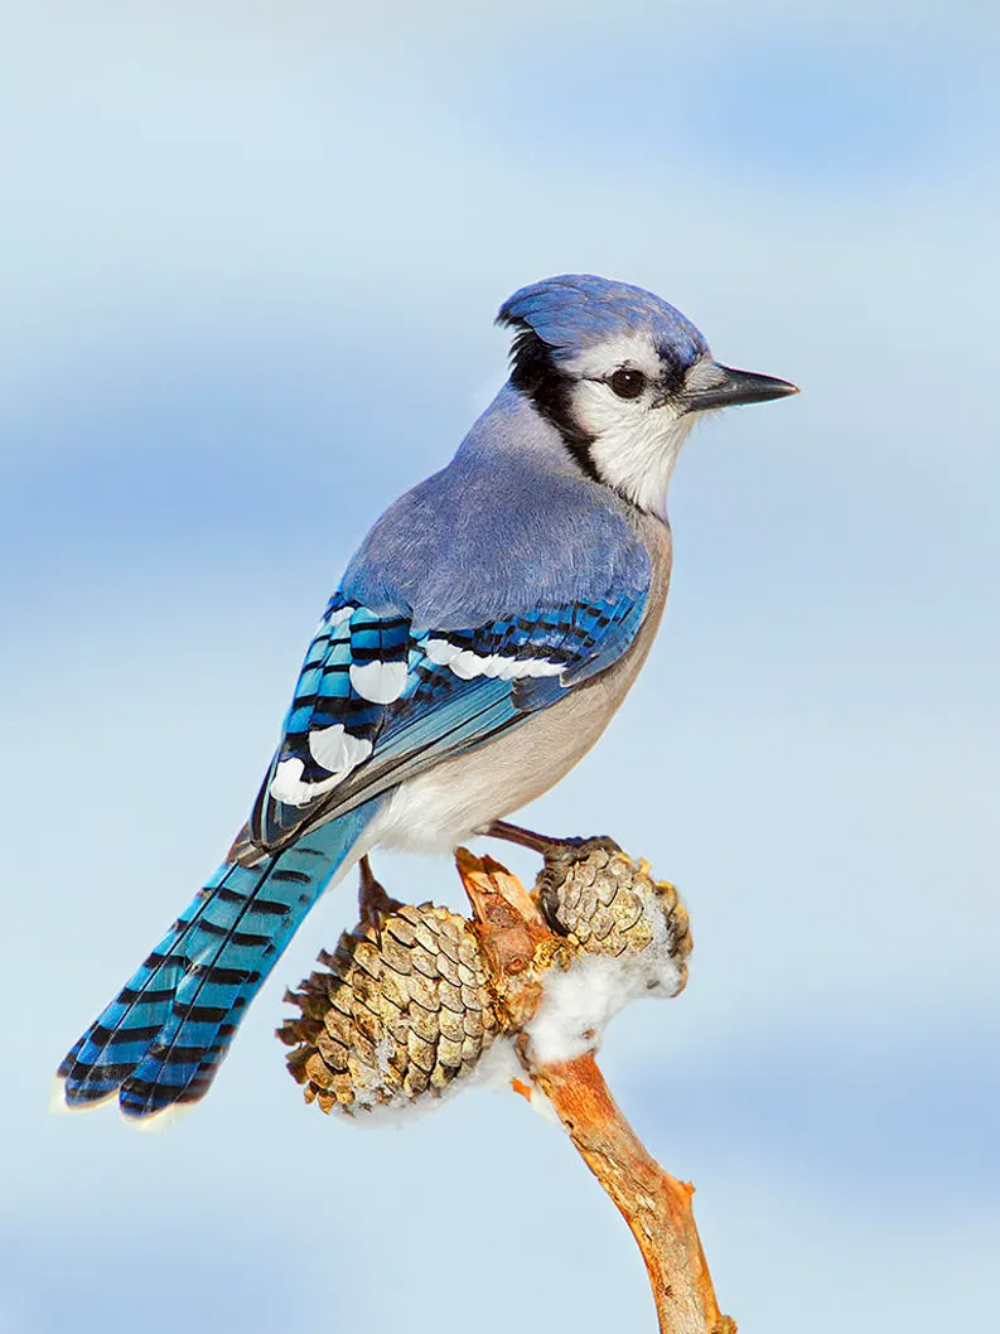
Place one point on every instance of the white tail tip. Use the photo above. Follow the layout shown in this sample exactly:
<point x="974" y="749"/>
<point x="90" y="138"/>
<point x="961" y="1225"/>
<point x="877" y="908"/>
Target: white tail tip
<point x="60" y="1107"/>
<point x="159" y="1122"/>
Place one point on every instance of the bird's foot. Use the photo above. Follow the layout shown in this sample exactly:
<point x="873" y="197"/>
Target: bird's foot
<point x="564" y="855"/>
<point x="374" y="904"/>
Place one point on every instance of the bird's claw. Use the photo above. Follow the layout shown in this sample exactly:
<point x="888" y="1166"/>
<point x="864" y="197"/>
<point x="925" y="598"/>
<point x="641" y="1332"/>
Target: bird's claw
<point x="560" y="855"/>
<point x="574" y="848"/>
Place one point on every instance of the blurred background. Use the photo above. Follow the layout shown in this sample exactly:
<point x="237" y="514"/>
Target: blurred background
<point x="250" y="258"/>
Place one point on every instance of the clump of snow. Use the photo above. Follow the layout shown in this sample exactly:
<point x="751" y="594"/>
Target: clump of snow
<point x="580" y="1001"/>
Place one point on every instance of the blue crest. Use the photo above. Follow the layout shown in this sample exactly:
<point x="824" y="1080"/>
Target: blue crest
<point x="575" y="311"/>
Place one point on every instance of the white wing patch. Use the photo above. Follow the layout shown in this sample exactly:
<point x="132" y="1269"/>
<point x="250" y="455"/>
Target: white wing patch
<point x="465" y="664"/>
<point x="379" y="682"/>
<point x="288" y="788"/>
<point x="334" y="749"/>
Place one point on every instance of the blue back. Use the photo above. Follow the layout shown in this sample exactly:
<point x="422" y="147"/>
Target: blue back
<point x="509" y="525"/>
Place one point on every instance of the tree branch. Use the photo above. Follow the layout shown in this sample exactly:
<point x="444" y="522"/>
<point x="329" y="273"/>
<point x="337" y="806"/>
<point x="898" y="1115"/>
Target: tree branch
<point x="414" y="998"/>
<point x="656" y="1206"/>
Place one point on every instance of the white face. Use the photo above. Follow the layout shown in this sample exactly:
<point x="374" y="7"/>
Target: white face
<point x="637" y="434"/>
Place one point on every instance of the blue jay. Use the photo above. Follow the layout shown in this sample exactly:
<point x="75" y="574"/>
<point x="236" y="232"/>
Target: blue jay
<point x="483" y="635"/>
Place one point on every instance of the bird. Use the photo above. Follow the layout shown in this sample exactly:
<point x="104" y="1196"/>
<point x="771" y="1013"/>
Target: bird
<point x="479" y="642"/>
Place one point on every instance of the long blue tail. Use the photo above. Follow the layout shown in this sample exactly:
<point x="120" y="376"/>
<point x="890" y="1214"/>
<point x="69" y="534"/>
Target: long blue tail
<point x="162" y="1039"/>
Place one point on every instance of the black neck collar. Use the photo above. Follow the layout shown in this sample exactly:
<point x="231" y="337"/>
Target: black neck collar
<point x="535" y="373"/>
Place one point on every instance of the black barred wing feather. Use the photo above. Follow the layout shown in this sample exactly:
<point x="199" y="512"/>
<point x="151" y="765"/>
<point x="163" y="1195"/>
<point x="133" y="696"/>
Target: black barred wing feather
<point x="376" y="703"/>
<point x="355" y="667"/>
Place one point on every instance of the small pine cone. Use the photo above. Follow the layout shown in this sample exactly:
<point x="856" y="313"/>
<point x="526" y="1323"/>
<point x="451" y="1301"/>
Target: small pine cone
<point x="391" y="1021"/>
<point x="605" y="903"/>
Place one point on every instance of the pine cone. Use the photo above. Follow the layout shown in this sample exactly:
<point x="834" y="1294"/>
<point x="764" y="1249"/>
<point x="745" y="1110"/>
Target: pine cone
<point x="402" y="1017"/>
<point x="605" y="903"/>
<point x="393" y="1021"/>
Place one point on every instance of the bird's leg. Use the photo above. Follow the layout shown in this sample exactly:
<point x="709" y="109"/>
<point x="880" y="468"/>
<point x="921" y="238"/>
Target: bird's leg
<point x="552" y="849"/>
<point x="374" y="904"/>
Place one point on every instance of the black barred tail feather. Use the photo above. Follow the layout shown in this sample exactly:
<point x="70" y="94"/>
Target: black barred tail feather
<point x="162" y="1039"/>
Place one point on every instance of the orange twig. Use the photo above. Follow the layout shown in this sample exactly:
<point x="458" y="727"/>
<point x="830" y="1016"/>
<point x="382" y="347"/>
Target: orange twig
<point x="519" y="947"/>
<point x="656" y="1206"/>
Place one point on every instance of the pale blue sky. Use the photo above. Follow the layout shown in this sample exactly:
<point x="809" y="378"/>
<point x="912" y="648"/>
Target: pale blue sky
<point x="251" y="255"/>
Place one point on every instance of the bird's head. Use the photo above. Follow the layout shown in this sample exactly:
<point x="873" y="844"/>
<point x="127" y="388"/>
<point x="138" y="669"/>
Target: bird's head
<point x="622" y="375"/>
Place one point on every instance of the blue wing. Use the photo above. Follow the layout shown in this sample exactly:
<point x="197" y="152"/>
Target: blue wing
<point x="377" y="702"/>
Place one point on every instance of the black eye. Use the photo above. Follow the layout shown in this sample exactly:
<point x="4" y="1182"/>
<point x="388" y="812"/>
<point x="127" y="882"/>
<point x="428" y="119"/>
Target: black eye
<point x="628" y="384"/>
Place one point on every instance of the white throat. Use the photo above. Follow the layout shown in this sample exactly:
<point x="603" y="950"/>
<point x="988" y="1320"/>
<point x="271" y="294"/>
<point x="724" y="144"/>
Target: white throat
<point x="635" y="445"/>
<point x="636" y="456"/>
